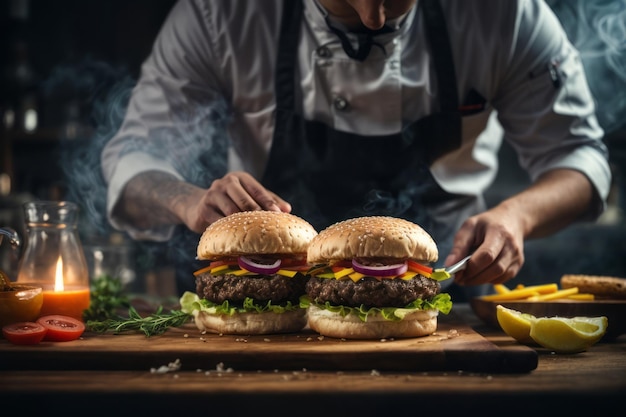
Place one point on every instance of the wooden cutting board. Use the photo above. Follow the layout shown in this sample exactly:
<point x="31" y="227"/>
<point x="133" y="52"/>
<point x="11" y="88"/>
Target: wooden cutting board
<point x="454" y="347"/>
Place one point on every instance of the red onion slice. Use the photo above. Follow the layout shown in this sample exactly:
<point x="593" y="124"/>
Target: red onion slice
<point x="258" y="268"/>
<point x="380" y="271"/>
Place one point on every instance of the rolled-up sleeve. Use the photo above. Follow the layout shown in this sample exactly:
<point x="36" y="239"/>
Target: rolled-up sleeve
<point x="169" y="104"/>
<point x="545" y="105"/>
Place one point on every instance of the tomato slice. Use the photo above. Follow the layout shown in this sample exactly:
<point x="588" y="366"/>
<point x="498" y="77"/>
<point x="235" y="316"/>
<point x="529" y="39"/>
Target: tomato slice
<point x="24" y="333"/>
<point x="61" y="328"/>
<point x="293" y="263"/>
<point x="417" y="267"/>
<point x="344" y="263"/>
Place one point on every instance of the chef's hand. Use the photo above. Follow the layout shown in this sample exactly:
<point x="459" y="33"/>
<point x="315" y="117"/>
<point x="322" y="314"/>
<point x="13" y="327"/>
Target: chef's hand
<point x="234" y="192"/>
<point x="495" y="240"/>
<point x="496" y="237"/>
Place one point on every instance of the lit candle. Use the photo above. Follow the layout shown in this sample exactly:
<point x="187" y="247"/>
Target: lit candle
<point x="67" y="301"/>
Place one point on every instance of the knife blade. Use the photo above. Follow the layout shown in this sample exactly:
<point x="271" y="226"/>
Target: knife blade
<point x="441" y="274"/>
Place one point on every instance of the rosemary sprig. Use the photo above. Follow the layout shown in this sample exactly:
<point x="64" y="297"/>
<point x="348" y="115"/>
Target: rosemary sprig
<point x="153" y="324"/>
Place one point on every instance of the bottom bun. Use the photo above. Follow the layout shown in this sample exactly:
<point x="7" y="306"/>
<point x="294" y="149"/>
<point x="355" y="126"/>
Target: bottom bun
<point x="252" y="323"/>
<point x="327" y="323"/>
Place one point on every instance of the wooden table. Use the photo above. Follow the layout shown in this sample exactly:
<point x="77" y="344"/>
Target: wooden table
<point x="589" y="383"/>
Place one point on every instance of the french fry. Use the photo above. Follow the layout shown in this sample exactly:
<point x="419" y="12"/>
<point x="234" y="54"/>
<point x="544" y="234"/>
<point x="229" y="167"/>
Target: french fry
<point x="554" y="295"/>
<point x="523" y="293"/>
<point x="501" y="288"/>
<point x="582" y="296"/>
<point x="543" y="292"/>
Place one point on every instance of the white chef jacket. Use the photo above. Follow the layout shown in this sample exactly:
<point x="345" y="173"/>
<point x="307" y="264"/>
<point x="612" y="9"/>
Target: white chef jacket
<point x="515" y="54"/>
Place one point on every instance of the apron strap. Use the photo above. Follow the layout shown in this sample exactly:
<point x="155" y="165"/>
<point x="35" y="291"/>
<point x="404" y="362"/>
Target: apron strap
<point x="286" y="57"/>
<point x="437" y="33"/>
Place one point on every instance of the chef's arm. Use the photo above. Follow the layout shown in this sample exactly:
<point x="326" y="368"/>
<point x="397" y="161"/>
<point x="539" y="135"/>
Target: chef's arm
<point x="152" y="199"/>
<point x="557" y="199"/>
<point x="496" y="237"/>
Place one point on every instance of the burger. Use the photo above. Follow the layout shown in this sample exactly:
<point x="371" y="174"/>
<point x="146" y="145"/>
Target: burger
<point x="255" y="274"/>
<point x="371" y="279"/>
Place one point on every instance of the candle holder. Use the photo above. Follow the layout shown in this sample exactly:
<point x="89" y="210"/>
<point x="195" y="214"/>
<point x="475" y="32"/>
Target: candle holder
<point x="54" y="259"/>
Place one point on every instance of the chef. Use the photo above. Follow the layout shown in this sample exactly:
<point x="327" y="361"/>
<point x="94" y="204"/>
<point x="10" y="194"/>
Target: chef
<point x="331" y="109"/>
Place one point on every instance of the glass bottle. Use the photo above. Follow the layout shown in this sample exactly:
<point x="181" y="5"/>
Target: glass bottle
<point x="53" y="257"/>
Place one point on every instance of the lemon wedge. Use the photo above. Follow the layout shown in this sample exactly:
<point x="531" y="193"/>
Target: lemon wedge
<point x="560" y="334"/>
<point x="568" y="335"/>
<point x="515" y="324"/>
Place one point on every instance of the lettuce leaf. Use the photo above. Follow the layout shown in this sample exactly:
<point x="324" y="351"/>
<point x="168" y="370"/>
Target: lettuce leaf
<point x="441" y="302"/>
<point x="190" y="302"/>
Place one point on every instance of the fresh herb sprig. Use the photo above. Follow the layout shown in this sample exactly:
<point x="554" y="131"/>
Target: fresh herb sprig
<point x="107" y="298"/>
<point x="150" y="325"/>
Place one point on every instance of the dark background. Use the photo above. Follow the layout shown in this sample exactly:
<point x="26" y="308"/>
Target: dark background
<point x="64" y="58"/>
<point x="57" y="56"/>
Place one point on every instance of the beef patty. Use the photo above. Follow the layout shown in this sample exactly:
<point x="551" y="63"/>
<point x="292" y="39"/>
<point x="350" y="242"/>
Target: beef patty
<point x="371" y="292"/>
<point x="262" y="288"/>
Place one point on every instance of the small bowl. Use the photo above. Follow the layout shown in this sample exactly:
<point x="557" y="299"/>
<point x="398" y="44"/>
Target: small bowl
<point x="22" y="303"/>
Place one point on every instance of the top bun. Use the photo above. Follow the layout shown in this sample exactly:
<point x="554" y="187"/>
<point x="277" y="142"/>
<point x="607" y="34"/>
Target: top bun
<point x="256" y="232"/>
<point x="372" y="237"/>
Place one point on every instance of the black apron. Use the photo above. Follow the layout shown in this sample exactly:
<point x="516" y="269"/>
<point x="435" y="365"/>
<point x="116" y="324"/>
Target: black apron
<point x="329" y="175"/>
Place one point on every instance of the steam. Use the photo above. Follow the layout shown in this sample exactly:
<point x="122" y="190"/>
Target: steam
<point x="598" y="30"/>
<point x="105" y="91"/>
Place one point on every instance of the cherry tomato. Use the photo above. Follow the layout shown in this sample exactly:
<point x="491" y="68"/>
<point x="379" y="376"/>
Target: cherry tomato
<point x="24" y="333"/>
<point x="61" y="328"/>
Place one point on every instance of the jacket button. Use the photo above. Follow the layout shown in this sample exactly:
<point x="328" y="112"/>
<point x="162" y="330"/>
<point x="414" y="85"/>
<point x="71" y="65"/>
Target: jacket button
<point x="324" y="52"/>
<point x="340" y="103"/>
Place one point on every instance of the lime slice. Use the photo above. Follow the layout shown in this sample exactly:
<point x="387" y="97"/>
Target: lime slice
<point x="568" y="335"/>
<point x="515" y="324"/>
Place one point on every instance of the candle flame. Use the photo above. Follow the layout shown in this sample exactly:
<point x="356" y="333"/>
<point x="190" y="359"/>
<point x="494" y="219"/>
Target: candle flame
<point x="58" y="279"/>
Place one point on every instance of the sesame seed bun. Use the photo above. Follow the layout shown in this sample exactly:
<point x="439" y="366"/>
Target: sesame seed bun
<point x="256" y="232"/>
<point x="372" y="237"/>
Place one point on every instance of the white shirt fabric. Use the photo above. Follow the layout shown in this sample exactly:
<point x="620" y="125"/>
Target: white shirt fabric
<point x="212" y="51"/>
